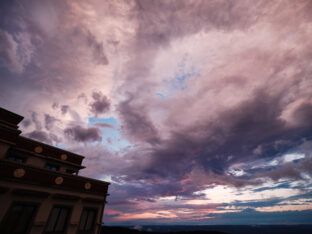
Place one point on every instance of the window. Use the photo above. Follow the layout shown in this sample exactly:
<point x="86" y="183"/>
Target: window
<point x="58" y="220"/>
<point x="87" y="220"/>
<point x="16" y="158"/>
<point x="18" y="219"/>
<point x="52" y="167"/>
<point x="69" y="171"/>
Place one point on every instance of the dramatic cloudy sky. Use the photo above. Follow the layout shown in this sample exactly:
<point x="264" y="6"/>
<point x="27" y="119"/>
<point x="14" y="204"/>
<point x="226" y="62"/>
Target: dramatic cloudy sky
<point x="197" y="112"/>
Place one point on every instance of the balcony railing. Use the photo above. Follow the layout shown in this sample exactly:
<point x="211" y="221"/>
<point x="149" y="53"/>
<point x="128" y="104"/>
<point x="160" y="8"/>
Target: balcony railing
<point x="22" y="173"/>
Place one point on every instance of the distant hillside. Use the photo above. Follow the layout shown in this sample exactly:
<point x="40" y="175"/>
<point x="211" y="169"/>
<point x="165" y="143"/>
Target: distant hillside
<point x="213" y="229"/>
<point x="122" y="230"/>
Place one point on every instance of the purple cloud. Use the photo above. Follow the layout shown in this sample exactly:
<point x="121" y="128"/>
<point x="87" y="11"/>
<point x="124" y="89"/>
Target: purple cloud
<point x="100" y="103"/>
<point x="81" y="134"/>
<point x="45" y="137"/>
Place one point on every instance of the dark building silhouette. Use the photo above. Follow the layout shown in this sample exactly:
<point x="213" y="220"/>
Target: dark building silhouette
<point x="40" y="189"/>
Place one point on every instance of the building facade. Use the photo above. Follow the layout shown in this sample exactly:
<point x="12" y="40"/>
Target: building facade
<point x="40" y="189"/>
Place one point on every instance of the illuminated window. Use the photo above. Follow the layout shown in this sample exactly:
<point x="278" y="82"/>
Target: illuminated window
<point x="87" y="220"/>
<point x="58" y="220"/>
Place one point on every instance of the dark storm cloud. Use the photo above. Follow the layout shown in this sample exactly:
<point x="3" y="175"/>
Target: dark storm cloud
<point x="49" y="121"/>
<point x="294" y="171"/>
<point x="252" y="123"/>
<point x="136" y="196"/>
<point x="81" y="134"/>
<point x="64" y="109"/>
<point x="303" y="115"/>
<point x="140" y="191"/>
<point x="101" y="160"/>
<point x="39" y="135"/>
<point x="100" y="103"/>
<point x="136" y="123"/>
<point x="26" y="123"/>
<point x="48" y="138"/>
<point x="206" y="160"/>
<point x="241" y="131"/>
<point x="175" y="160"/>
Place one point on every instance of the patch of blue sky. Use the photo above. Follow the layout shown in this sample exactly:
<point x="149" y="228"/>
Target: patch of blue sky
<point x="162" y="95"/>
<point x="62" y="146"/>
<point x="110" y="120"/>
<point x="177" y="82"/>
<point x="111" y="137"/>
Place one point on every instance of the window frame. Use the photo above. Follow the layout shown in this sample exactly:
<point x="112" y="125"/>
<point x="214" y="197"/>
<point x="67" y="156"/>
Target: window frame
<point x="32" y="218"/>
<point x="13" y="156"/>
<point x="71" y="171"/>
<point x="70" y="209"/>
<point x="88" y="209"/>
<point x="50" y="165"/>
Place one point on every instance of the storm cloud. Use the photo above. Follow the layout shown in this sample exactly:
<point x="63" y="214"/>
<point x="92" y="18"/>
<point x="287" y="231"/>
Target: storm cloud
<point x="81" y="134"/>
<point x="100" y="103"/>
<point x="195" y="99"/>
